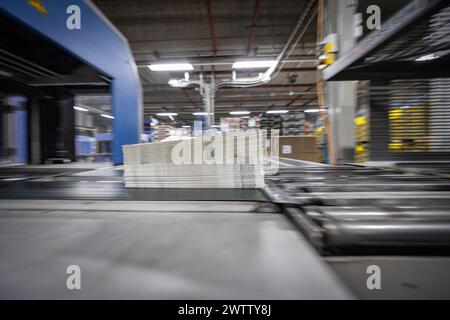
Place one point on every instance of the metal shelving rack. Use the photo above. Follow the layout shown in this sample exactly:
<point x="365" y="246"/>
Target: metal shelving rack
<point x="418" y="29"/>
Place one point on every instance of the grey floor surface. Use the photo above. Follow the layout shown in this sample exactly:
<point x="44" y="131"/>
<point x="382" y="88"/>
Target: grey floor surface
<point x="160" y="255"/>
<point x="401" y="277"/>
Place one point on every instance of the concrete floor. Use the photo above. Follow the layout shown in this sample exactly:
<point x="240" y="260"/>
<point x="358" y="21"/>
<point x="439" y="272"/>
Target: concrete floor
<point x="158" y="255"/>
<point x="401" y="277"/>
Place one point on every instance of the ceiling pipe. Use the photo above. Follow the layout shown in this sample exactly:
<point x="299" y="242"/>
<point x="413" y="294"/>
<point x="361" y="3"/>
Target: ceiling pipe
<point x="308" y="102"/>
<point x="221" y="60"/>
<point x="262" y="100"/>
<point x="263" y="86"/>
<point x="211" y="27"/>
<point x="186" y="94"/>
<point x="299" y="96"/>
<point x="290" y="45"/>
<point x="253" y="25"/>
<point x="208" y="89"/>
<point x="301" y="69"/>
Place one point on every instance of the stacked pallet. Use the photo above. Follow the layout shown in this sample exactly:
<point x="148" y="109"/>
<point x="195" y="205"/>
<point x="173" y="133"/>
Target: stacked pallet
<point x="230" y="123"/>
<point x="270" y="123"/>
<point x="293" y="124"/>
<point x="250" y="123"/>
<point x="215" y="162"/>
<point x="162" y="132"/>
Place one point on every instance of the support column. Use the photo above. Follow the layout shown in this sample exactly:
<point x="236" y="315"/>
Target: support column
<point x="55" y="123"/>
<point x="340" y="96"/>
<point x="35" y="131"/>
<point x="127" y="111"/>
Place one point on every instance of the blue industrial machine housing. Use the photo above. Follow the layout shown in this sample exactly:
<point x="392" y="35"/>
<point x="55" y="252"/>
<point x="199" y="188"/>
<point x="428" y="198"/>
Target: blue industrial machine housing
<point x="98" y="44"/>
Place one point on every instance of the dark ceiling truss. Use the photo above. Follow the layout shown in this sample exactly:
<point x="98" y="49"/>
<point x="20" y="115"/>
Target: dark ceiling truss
<point x="211" y="35"/>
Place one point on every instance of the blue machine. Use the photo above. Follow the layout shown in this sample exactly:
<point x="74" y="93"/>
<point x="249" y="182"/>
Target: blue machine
<point x="99" y="45"/>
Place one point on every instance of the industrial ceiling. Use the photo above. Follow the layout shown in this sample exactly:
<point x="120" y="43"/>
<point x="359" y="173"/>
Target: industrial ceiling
<point x="211" y="35"/>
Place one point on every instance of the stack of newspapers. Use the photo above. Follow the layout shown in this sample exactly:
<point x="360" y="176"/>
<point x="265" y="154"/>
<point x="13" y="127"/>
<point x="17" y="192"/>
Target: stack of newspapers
<point x="228" y="160"/>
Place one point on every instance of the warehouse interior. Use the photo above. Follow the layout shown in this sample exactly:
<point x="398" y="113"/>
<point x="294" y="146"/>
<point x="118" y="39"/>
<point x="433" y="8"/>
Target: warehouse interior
<point x="336" y="184"/>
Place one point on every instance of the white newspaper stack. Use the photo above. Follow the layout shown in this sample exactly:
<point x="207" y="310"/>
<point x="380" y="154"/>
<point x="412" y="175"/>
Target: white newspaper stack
<point x="228" y="160"/>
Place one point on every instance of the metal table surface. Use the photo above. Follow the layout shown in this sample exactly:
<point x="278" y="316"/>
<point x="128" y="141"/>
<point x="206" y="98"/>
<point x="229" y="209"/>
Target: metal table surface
<point x="116" y="191"/>
<point x="140" y="243"/>
<point x="73" y="183"/>
<point x="195" y="254"/>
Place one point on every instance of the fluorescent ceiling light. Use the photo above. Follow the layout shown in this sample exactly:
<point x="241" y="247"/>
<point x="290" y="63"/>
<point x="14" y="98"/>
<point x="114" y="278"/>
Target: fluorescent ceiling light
<point x="200" y="113"/>
<point x="238" y="113"/>
<point x="427" y="57"/>
<point x="171" y="67"/>
<point x="107" y="116"/>
<point x="178" y="83"/>
<point x="5" y="73"/>
<point x="253" y="64"/>
<point x="277" y="111"/>
<point x="186" y="126"/>
<point x="167" y="114"/>
<point x="215" y="126"/>
<point x="80" y="109"/>
<point x="312" y="110"/>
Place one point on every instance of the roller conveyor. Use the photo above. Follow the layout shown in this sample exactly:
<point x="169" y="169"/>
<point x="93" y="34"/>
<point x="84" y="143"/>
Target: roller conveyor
<point x="365" y="186"/>
<point x="392" y="198"/>
<point x="378" y="213"/>
<point x="404" y="227"/>
<point x="342" y="209"/>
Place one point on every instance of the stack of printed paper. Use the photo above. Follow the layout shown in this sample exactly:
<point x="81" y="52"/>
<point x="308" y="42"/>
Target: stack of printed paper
<point x="229" y="160"/>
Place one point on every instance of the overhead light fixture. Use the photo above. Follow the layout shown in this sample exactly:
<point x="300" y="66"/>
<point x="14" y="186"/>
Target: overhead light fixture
<point x="167" y="114"/>
<point x="171" y="67"/>
<point x="6" y="74"/>
<point x="239" y="113"/>
<point x="215" y="126"/>
<point x="311" y="110"/>
<point x="200" y="113"/>
<point x="253" y="64"/>
<point x="182" y="83"/>
<point x="80" y="109"/>
<point x="427" y="57"/>
<point x="277" y="111"/>
<point x="186" y="127"/>
<point x="107" y="116"/>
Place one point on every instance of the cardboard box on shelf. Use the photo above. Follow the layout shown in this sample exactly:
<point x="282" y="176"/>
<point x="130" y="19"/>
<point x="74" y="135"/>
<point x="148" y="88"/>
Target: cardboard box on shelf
<point x="299" y="148"/>
<point x="297" y="144"/>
